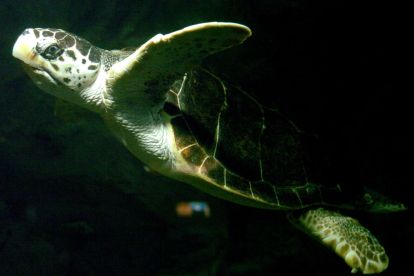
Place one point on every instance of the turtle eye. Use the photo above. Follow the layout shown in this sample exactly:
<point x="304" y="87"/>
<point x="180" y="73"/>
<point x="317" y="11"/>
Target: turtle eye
<point x="52" y="51"/>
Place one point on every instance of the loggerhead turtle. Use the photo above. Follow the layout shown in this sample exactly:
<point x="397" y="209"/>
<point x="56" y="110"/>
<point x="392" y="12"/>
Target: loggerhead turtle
<point x="190" y="125"/>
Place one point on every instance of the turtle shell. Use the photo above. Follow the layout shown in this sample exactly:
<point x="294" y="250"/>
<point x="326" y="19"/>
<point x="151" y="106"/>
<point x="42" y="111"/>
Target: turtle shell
<point x="245" y="148"/>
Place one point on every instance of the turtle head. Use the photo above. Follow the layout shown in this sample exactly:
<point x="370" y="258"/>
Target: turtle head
<point x="59" y="63"/>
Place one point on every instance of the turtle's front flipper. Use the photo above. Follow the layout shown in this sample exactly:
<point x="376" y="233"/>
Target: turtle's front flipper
<point x="148" y="73"/>
<point x="349" y="239"/>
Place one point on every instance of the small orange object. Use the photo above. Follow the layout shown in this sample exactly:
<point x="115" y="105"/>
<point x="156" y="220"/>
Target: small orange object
<point x="188" y="209"/>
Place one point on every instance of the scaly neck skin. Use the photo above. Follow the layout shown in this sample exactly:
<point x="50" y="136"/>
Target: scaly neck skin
<point x="137" y="123"/>
<point x="91" y="97"/>
<point x="144" y="132"/>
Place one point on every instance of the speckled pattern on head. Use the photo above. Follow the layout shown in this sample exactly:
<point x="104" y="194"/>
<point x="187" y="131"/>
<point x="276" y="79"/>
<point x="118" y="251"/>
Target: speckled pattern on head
<point x="72" y="60"/>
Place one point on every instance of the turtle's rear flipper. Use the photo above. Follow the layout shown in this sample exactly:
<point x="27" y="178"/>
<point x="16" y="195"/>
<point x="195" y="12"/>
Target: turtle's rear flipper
<point x="349" y="239"/>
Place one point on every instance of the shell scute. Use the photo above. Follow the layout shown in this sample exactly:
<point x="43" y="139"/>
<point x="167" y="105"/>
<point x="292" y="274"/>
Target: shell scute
<point x="238" y="184"/>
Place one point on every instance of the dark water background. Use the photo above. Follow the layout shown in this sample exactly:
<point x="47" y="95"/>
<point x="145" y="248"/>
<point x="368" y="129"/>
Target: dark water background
<point x="73" y="201"/>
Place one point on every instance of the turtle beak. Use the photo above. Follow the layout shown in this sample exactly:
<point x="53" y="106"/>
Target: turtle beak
<point x="25" y="49"/>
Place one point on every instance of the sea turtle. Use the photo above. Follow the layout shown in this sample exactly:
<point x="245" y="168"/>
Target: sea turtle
<point x="191" y="125"/>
